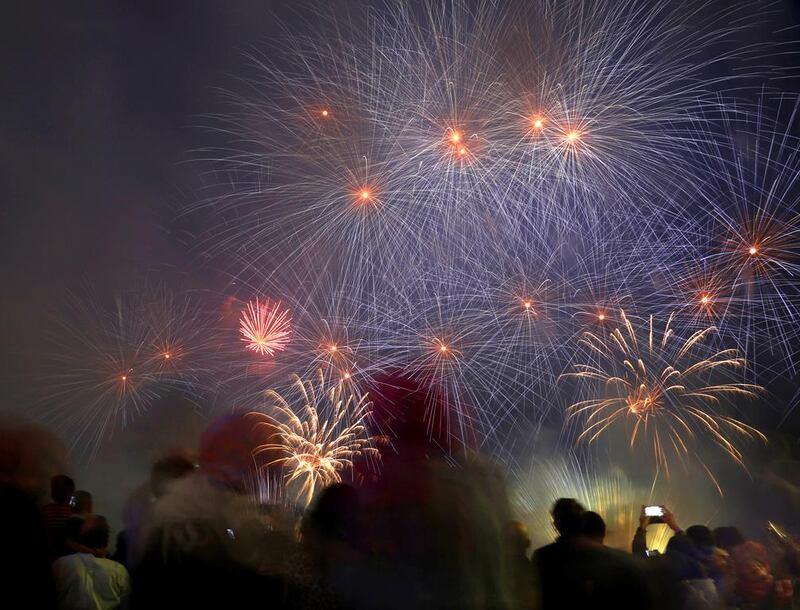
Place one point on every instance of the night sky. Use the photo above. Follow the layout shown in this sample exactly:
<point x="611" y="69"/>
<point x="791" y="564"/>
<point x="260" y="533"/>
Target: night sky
<point x="102" y="105"/>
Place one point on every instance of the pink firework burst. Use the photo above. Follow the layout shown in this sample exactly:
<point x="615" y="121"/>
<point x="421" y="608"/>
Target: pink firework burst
<point x="265" y="326"/>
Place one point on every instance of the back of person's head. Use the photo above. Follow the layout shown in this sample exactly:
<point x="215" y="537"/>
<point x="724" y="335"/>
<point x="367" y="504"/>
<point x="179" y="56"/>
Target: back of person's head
<point x="684" y="558"/>
<point x="727" y="537"/>
<point x="593" y="526"/>
<point x="169" y="468"/>
<point x="567" y="516"/>
<point x="517" y="536"/>
<point x="335" y="515"/>
<point x="701" y="536"/>
<point x="61" y="488"/>
<point x="83" y="502"/>
<point x="95" y="532"/>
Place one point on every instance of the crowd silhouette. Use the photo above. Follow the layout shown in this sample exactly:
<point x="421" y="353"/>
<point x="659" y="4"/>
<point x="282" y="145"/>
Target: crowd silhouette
<point x="434" y="529"/>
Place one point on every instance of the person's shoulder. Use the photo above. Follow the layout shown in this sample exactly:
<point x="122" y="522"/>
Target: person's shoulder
<point x="109" y="565"/>
<point x="544" y="551"/>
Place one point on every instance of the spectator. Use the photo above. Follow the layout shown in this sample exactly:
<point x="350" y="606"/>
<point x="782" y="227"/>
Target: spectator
<point x="58" y="512"/>
<point x="163" y="474"/>
<point x="555" y="563"/>
<point x="86" y="581"/>
<point x="697" y="591"/>
<point x="71" y="531"/>
<point x="523" y="583"/>
<point x="756" y="587"/>
<point x="727" y="537"/>
<point x="593" y="527"/>
<point x="198" y="545"/>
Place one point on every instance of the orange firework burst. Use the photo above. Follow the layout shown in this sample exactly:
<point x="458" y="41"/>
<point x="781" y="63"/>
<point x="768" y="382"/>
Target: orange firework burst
<point x="265" y="327"/>
<point x="763" y="245"/>
<point x="320" y="437"/>
<point x="663" y="386"/>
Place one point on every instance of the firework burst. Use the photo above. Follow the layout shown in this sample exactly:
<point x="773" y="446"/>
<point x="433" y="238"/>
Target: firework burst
<point x="320" y="435"/>
<point x="265" y="327"/>
<point x="665" y="390"/>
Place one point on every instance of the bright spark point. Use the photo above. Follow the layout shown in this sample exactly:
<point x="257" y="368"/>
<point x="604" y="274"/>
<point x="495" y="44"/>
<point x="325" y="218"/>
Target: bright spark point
<point x="167" y="356"/>
<point x="124" y="378"/>
<point x="527" y="304"/>
<point x="333" y="348"/>
<point x="325" y="113"/>
<point x="538" y="123"/>
<point x="455" y="138"/>
<point x="573" y="136"/>
<point x="601" y="316"/>
<point x="753" y="250"/>
<point x="442" y="348"/>
<point x="462" y="151"/>
<point x="347" y="375"/>
<point x="704" y="299"/>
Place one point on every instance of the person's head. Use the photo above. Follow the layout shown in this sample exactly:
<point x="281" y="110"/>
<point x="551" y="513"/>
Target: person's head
<point x="593" y="527"/>
<point x="701" y="536"/>
<point x="517" y="536"/>
<point x="83" y="503"/>
<point x="567" y="514"/>
<point x="685" y="559"/>
<point x="335" y="515"/>
<point x="753" y="574"/>
<point x="169" y="468"/>
<point x="95" y="532"/>
<point x="61" y="489"/>
<point x="727" y="537"/>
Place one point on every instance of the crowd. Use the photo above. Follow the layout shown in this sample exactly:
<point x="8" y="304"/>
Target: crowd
<point x="431" y="531"/>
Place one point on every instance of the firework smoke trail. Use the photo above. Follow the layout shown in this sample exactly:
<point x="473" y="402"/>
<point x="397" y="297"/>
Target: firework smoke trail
<point x="661" y="385"/>
<point x="316" y="443"/>
<point x="111" y="361"/>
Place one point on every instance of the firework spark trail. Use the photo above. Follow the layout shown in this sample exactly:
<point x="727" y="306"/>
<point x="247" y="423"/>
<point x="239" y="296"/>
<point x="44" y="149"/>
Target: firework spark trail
<point x="320" y="435"/>
<point x="411" y="110"/>
<point x="753" y="194"/>
<point x="111" y="361"/>
<point x="666" y="386"/>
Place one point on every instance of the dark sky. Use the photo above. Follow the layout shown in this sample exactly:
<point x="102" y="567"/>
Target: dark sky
<point x="100" y="107"/>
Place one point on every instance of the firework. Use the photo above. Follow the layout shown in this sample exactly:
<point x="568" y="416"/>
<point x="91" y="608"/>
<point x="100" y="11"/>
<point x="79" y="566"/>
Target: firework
<point x="319" y="436"/>
<point x="265" y="327"/>
<point x="112" y="359"/>
<point x="664" y="389"/>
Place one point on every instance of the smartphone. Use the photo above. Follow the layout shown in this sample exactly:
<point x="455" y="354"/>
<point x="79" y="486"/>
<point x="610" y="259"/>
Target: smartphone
<point x="655" y="513"/>
<point x="72" y="501"/>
